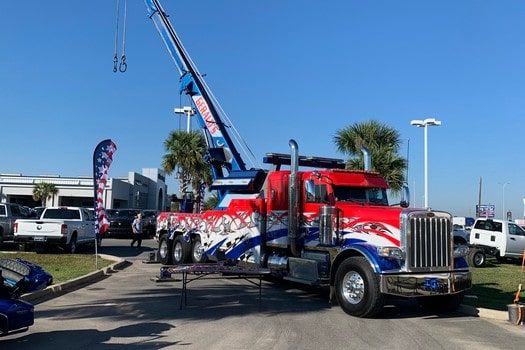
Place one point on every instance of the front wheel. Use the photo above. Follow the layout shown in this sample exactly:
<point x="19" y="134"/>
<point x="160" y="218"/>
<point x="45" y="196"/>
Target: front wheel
<point x="357" y="288"/>
<point x="165" y="256"/>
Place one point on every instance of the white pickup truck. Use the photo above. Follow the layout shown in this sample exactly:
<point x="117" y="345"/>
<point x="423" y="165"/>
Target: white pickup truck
<point x="65" y="227"/>
<point x="501" y="238"/>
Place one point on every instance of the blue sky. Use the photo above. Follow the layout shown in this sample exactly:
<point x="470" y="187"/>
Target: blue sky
<point x="281" y="70"/>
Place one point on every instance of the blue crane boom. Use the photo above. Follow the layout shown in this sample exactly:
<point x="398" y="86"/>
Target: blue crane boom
<point x="222" y="154"/>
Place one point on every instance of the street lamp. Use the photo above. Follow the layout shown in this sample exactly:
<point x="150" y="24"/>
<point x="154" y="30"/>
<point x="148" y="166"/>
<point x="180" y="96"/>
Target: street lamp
<point x="503" y="216"/>
<point x="189" y="111"/>
<point x="424" y="124"/>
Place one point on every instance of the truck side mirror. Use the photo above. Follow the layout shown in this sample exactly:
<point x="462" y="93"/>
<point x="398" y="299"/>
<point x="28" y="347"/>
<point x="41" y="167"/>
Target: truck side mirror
<point x="405" y="197"/>
<point x="310" y="190"/>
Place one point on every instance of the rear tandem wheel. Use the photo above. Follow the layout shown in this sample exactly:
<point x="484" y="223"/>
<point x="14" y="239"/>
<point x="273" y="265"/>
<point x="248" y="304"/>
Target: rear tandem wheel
<point x="165" y="247"/>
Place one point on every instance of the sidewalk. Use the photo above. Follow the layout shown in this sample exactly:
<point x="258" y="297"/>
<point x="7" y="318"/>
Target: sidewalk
<point x="56" y="290"/>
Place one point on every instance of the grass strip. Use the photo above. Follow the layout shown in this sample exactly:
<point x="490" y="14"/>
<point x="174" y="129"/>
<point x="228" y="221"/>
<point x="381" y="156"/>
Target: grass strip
<point x="494" y="286"/>
<point x="63" y="267"/>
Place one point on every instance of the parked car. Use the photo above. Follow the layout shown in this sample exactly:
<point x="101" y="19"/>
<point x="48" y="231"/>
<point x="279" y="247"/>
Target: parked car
<point x="9" y="213"/>
<point x="36" y="212"/>
<point x="120" y="221"/>
<point x="461" y="236"/>
<point x="150" y="222"/>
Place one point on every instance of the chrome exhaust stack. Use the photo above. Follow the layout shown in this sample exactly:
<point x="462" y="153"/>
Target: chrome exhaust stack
<point x="293" y="199"/>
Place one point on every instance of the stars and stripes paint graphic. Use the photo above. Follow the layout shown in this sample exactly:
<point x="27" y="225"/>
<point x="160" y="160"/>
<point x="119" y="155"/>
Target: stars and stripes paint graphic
<point x="102" y="158"/>
<point x="202" y="188"/>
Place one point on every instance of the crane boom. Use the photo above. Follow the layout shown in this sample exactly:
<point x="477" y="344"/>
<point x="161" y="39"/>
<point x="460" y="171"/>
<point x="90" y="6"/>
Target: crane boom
<point x="222" y="153"/>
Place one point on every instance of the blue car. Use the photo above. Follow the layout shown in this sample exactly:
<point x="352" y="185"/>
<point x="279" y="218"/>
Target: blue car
<point x="18" y="276"/>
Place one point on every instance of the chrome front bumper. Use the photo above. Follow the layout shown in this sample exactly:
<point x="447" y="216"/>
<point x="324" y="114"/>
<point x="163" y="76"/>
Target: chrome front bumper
<point x="429" y="284"/>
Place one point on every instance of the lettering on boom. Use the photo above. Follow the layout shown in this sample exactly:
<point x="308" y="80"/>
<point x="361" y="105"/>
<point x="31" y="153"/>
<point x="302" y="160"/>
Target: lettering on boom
<point x="211" y="124"/>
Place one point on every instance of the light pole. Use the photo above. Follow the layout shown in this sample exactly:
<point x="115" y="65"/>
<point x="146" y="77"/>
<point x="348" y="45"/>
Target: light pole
<point x="424" y="124"/>
<point x="503" y="216"/>
<point x="189" y="111"/>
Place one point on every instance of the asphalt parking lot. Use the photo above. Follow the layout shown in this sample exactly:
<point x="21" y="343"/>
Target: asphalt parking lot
<point x="125" y="308"/>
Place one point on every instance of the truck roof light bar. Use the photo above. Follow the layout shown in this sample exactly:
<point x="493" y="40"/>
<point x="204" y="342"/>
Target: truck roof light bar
<point x="279" y="159"/>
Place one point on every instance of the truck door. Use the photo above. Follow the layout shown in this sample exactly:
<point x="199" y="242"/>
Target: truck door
<point x="88" y="225"/>
<point x="515" y="240"/>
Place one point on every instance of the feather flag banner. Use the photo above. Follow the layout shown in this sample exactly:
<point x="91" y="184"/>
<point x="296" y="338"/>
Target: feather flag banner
<point x="102" y="158"/>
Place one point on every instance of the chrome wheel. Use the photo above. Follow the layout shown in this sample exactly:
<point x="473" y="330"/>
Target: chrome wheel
<point x="165" y="250"/>
<point x="197" y="251"/>
<point x="177" y="251"/>
<point x="353" y="287"/>
<point x="181" y="250"/>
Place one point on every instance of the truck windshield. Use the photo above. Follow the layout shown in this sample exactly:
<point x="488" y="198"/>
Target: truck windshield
<point x="375" y="196"/>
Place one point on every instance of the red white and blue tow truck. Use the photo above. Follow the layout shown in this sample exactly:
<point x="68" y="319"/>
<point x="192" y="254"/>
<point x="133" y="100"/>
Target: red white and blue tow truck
<point x="321" y="226"/>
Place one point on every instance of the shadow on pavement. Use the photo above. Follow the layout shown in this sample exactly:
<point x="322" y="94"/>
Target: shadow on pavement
<point x="148" y="336"/>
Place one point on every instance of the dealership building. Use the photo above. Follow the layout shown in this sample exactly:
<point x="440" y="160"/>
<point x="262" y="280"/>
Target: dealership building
<point x="143" y="191"/>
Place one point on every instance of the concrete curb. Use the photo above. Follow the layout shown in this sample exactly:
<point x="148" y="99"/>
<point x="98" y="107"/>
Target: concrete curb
<point x="484" y="313"/>
<point x="55" y="290"/>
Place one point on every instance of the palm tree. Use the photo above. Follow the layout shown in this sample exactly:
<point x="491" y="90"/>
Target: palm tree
<point x="185" y="155"/>
<point x="44" y="191"/>
<point x="212" y="201"/>
<point x="201" y="176"/>
<point x="382" y="141"/>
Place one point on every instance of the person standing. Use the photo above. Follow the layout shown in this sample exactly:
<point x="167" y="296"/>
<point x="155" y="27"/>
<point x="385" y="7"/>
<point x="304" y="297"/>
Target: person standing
<point x="136" y="227"/>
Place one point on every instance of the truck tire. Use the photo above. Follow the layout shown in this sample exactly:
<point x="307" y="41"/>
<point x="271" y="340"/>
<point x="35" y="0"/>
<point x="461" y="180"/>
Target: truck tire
<point x="477" y="257"/>
<point x="357" y="288"/>
<point x="72" y="246"/>
<point x="444" y="303"/>
<point x="180" y="250"/>
<point x="197" y="255"/>
<point x="164" y="252"/>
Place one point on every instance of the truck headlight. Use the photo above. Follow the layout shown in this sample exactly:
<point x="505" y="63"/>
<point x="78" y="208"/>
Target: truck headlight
<point x="460" y="250"/>
<point x="391" y="252"/>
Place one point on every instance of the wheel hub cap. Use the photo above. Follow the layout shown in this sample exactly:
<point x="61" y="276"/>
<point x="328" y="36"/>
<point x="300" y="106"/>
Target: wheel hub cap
<point x="353" y="287"/>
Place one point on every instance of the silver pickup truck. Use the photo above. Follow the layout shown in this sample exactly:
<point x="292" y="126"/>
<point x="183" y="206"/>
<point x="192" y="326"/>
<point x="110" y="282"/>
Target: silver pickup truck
<point x="9" y="213"/>
<point x="65" y="227"/>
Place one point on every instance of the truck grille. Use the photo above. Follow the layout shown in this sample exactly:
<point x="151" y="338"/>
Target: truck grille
<point x="429" y="241"/>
